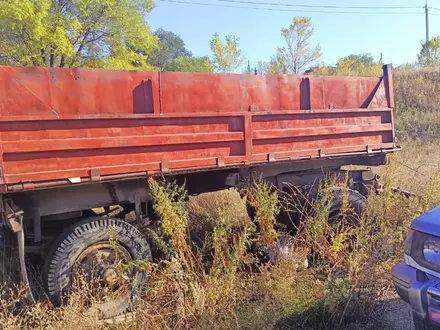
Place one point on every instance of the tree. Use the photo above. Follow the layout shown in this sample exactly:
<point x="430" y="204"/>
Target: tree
<point x="276" y="65"/>
<point x="359" y="65"/>
<point x="191" y="64"/>
<point x="365" y="59"/>
<point x="71" y="33"/>
<point x="298" y="54"/>
<point x="227" y="56"/>
<point x="260" y="68"/>
<point x="248" y="69"/>
<point x="171" y="46"/>
<point x="430" y="53"/>
<point x="352" y="65"/>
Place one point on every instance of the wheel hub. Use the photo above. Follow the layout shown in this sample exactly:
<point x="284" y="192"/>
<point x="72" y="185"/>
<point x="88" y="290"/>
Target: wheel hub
<point x="103" y="265"/>
<point x="110" y="276"/>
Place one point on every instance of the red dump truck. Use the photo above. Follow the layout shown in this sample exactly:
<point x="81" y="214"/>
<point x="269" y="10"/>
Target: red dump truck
<point x="74" y="140"/>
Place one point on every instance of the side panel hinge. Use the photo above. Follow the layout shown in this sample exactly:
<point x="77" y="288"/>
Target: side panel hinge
<point x="95" y="175"/>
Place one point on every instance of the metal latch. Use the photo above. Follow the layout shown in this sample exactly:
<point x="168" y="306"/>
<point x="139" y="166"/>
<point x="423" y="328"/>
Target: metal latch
<point x="165" y="166"/>
<point x="95" y="175"/>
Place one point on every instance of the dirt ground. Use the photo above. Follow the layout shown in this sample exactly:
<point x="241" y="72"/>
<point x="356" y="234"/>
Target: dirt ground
<point x="396" y="315"/>
<point x="391" y="314"/>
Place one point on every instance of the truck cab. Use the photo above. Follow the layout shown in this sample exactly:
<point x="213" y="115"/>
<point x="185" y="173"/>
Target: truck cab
<point x="417" y="278"/>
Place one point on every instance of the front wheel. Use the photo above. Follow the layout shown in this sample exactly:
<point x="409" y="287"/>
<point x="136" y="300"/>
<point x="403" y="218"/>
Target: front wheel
<point x="423" y="324"/>
<point x="110" y="254"/>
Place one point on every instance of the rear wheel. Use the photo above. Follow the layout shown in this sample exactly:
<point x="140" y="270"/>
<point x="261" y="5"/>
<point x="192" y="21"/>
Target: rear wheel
<point x="344" y="203"/>
<point x="110" y="255"/>
<point x="356" y="205"/>
<point x="423" y="324"/>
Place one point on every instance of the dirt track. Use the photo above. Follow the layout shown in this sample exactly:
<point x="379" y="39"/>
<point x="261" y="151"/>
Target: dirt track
<point x="391" y="314"/>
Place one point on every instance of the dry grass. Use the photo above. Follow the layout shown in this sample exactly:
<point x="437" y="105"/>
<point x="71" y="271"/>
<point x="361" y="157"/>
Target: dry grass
<point x="417" y="90"/>
<point x="417" y="94"/>
<point x="220" y="285"/>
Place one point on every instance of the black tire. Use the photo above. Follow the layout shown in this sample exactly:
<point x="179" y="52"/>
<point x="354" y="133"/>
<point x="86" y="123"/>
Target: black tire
<point x="64" y="253"/>
<point x="357" y="204"/>
<point x="423" y="324"/>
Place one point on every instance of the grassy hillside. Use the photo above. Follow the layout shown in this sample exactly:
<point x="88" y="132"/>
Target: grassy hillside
<point x="417" y="95"/>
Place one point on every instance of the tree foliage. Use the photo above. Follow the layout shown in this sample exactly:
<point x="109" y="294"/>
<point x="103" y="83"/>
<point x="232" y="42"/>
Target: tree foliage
<point x="70" y="33"/>
<point x="276" y="65"/>
<point x="298" y="54"/>
<point x="191" y="64"/>
<point x="429" y="55"/>
<point x="227" y="56"/>
<point x="352" y="65"/>
<point x="357" y="59"/>
<point x="171" y="46"/>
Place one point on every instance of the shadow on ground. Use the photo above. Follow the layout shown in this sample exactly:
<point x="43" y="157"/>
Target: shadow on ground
<point x="390" y="314"/>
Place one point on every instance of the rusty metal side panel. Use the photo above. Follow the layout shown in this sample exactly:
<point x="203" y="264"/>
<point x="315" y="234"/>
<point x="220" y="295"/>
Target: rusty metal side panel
<point x="84" y="92"/>
<point x="321" y="132"/>
<point x="57" y="92"/>
<point x="36" y="151"/>
<point x="68" y="124"/>
<point x="283" y="92"/>
<point x="343" y="92"/>
<point x="48" y="150"/>
<point x="197" y="92"/>
<point x="200" y="92"/>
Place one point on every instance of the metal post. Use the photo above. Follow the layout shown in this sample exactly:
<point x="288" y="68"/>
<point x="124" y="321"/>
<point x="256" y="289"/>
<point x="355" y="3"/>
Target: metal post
<point x="21" y="257"/>
<point x="428" y="62"/>
<point x="138" y="209"/>
<point x="427" y="21"/>
<point x="388" y="80"/>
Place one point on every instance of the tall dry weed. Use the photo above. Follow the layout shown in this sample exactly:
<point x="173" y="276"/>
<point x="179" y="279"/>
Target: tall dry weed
<point x="204" y="284"/>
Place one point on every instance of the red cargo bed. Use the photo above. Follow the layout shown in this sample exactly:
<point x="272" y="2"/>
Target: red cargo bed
<point x="67" y="126"/>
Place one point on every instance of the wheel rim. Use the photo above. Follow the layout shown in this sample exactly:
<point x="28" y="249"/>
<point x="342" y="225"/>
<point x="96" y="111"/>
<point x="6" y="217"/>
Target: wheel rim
<point x="106" y="270"/>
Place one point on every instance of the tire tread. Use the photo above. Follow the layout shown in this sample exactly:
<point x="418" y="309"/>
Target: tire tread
<point x="75" y="239"/>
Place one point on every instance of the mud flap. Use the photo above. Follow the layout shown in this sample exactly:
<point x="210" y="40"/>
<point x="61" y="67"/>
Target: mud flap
<point x="14" y="220"/>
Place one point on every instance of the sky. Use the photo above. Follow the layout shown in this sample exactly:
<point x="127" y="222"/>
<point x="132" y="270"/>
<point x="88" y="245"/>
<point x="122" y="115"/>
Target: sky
<point x="396" y="36"/>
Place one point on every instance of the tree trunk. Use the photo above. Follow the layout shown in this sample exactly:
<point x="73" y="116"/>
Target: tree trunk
<point x="80" y="48"/>
<point x="51" y="60"/>
<point x="34" y="61"/>
<point x="43" y="56"/>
